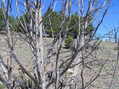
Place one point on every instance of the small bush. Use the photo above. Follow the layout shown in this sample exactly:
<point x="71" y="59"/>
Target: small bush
<point x="68" y="41"/>
<point x="2" y="86"/>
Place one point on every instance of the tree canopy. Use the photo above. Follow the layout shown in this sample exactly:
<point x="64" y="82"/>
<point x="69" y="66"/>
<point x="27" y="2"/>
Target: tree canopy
<point x="53" y="20"/>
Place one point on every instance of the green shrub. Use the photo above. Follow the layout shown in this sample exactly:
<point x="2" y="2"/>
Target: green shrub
<point x="2" y="86"/>
<point x="68" y="41"/>
<point x="116" y="48"/>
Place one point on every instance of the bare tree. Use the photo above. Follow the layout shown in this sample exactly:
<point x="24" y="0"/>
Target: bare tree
<point x="80" y="54"/>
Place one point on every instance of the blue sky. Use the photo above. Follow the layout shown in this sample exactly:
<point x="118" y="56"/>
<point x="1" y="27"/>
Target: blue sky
<point x="111" y="20"/>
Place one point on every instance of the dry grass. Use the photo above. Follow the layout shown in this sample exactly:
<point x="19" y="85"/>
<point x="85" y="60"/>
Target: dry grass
<point x="106" y="52"/>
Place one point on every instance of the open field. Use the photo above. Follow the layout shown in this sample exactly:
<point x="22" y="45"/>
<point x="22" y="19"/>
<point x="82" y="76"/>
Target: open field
<point x="105" y="54"/>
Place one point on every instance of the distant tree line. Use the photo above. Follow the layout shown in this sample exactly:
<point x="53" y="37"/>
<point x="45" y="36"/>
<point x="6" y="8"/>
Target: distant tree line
<point x="52" y="22"/>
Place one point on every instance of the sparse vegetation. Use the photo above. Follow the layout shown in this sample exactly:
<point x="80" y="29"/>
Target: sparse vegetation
<point x="68" y="41"/>
<point x="116" y="48"/>
<point x="2" y="86"/>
